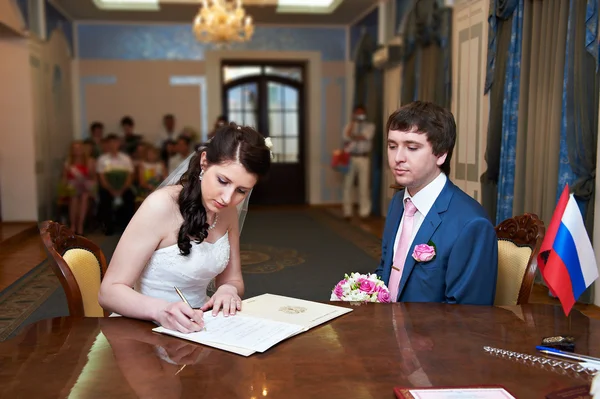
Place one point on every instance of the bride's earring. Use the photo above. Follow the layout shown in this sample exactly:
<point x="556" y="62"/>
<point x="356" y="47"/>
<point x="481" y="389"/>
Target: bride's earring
<point x="201" y="174"/>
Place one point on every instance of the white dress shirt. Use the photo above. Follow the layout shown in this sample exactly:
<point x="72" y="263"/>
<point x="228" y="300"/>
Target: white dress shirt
<point x="423" y="201"/>
<point x="360" y="147"/>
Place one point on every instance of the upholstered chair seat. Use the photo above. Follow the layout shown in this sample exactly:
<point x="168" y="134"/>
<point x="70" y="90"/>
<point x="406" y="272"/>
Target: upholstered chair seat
<point x="79" y="265"/>
<point x="519" y="241"/>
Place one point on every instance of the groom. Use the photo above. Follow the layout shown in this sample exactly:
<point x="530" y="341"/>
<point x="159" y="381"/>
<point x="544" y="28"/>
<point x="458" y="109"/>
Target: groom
<point x="438" y="243"/>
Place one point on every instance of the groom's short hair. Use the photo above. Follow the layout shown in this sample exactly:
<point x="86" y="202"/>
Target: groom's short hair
<point x="436" y="122"/>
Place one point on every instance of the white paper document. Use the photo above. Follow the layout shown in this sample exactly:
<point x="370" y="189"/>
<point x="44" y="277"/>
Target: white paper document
<point x="461" y="393"/>
<point x="243" y="332"/>
<point x="263" y="322"/>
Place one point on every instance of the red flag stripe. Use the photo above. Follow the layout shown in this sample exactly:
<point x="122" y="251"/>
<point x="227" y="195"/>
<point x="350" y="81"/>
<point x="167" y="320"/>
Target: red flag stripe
<point x="553" y="227"/>
<point x="558" y="280"/>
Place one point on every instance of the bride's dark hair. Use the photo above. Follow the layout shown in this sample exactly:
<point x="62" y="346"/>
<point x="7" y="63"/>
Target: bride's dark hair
<point x="231" y="143"/>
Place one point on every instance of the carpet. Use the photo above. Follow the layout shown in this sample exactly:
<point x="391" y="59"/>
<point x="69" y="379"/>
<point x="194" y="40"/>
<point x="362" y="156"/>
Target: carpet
<point x="25" y="297"/>
<point x="300" y="253"/>
<point x="308" y="252"/>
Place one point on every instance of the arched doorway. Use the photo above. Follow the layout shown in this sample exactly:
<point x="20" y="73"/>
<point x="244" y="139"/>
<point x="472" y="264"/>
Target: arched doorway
<point x="270" y="98"/>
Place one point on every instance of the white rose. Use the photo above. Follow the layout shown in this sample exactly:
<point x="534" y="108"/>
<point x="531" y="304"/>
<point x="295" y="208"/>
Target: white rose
<point x="269" y="143"/>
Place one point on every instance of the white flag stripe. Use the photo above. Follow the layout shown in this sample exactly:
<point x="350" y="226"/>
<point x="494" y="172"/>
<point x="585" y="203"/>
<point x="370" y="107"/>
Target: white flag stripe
<point x="573" y="221"/>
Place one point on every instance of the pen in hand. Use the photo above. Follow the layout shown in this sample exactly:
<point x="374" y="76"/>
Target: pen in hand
<point x="186" y="302"/>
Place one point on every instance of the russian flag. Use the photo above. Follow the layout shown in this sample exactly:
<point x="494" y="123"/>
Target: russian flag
<point x="566" y="259"/>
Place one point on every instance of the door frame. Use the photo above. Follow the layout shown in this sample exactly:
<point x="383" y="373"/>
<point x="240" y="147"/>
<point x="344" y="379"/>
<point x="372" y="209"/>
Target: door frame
<point x="300" y="86"/>
<point x="262" y="121"/>
<point x="313" y="102"/>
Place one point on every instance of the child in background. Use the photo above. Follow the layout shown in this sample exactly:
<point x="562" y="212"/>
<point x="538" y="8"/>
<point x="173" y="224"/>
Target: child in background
<point x="78" y="175"/>
<point x="151" y="173"/>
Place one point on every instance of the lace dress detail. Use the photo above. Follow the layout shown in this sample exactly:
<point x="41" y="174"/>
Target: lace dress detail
<point x="191" y="274"/>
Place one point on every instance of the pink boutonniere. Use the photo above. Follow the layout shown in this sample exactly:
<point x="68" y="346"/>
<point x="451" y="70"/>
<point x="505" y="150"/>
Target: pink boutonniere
<point x="424" y="252"/>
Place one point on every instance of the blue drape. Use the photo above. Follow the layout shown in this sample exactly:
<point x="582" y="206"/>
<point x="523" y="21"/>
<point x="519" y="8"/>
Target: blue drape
<point x="591" y="30"/>
<point x="565" y="173"/>
<point x="510" y="111"/>
<point x="499" y="9"/>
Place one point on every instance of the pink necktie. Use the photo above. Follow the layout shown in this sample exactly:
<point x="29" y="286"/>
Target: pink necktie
<point x="401" y="251"/>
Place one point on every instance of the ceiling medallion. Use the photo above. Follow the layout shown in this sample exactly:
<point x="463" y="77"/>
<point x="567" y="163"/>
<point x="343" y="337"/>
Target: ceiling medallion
<point x="222" y="22"/>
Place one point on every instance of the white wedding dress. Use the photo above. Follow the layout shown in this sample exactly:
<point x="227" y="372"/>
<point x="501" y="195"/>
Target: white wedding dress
<point x="167" y="269"/>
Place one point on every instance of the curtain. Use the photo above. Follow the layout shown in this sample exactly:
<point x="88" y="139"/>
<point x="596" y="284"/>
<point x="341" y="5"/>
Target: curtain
<point x="427" y="46"/>
<point x="409" y="70"/>
<point x="367" y="92"/>
<point x="500" y="20"/>
<point x="538" y="143"/>
<point x="489" y="179"/>
<point x="363" y="66"/>
<point x="510" y="107"/>
<point x="565" y="172"/>
<point x="499" y="10"/>
<point x="581" y="112"/>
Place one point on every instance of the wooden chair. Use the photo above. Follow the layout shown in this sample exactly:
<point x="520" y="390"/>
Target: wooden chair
<point x="80" y="266"/>
<point x="519" y="242"/>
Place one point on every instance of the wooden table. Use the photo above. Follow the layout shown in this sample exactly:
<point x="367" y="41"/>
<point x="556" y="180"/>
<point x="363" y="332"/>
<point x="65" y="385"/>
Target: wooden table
<point x="363" y="354"/>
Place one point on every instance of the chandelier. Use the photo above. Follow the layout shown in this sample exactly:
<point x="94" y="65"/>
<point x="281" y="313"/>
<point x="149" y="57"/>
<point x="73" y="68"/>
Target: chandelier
<point x="222" y="22"/>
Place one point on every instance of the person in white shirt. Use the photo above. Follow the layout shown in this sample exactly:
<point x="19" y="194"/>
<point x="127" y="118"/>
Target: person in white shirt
<point x="358" y="141"/>
<point x="115" y="176"/>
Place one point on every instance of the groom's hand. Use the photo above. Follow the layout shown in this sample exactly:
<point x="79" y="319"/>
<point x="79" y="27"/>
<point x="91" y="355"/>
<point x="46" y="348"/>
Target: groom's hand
<point x="226" y="297"/>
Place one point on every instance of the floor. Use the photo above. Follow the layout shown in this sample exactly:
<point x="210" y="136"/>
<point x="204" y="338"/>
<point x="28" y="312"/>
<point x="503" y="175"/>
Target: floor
<point x="21" y="250"/>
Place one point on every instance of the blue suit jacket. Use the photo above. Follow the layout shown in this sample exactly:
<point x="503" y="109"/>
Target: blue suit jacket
<point x="465" y="267"/>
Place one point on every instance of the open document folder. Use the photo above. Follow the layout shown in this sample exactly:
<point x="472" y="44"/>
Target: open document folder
<point x="264" y="321"/>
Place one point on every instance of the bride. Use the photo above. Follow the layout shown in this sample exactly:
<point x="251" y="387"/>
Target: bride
<point x="187" y="233"/>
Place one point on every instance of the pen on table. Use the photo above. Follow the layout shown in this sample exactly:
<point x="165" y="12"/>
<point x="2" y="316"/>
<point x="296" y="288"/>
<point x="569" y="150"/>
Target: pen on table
<point x="567" y="355"/>
<point x="185" y="300"/>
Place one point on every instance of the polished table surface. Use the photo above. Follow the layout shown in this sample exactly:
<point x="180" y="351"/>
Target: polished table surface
<point x="363" y="354"/>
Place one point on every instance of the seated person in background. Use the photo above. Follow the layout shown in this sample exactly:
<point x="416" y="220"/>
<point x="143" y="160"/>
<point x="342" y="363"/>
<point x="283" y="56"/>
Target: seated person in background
<point x="187" y="234"/>
<point x="167" y="136"/>
<point x="438" y="243"/>
<point x="151" y="172"/>
<point x="115" y="177"/>
<point x="78" y="175"/>
<point x="137" y="158"/>
<point x="182" y="151"/>
<point x="95" y="139"/>
<point x="131" y="139"/>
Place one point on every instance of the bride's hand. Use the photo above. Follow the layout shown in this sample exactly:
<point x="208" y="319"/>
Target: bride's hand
<point x="226" y="297"/>
<point x="180" y="317"/>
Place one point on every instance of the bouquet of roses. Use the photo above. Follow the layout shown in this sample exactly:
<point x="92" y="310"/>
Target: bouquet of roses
<point x="358" y="287"/>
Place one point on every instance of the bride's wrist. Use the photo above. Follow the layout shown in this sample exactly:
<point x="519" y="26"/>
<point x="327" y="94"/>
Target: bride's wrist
<point x="157" y="310"/>
<point x="227" y="286"/>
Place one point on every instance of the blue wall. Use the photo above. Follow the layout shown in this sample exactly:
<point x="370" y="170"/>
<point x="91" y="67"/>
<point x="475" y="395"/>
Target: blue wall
<point x="177" y="42"/>
<point x="371" y="23"/>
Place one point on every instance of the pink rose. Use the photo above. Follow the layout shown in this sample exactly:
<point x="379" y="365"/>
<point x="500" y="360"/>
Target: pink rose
<point x="338" y="290"/>
<point x="423" y="253"/>
<point x="383" y="296"/>
<point x="367" y="286"/>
